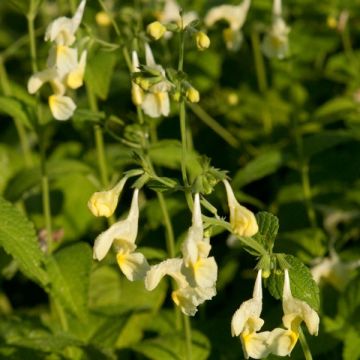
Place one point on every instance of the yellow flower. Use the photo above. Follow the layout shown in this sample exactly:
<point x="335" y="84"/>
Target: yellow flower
<point x="242" y="220"/>
<point x="202" y="40"/>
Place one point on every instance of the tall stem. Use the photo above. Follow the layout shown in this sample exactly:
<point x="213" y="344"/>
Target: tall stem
<point x="304" y="345"/>
<point x="99" y="140"/>
<point x="304" y="172"/>
<point x="44" y="177"/>
<point x="187" y="333"/>
<point x="261" y="77"/>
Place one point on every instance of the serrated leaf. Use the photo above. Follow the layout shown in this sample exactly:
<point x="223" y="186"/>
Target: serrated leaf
<point x="18" y="238"/>
<point x="268" y="229"/>
<point x="99" y="71"/>
<point x="303" y="286"/>
<point x="69" y="273"/>
<point x="172" y="347"/>
<point x="16" y="109"/>
<point x="263" y="165"/>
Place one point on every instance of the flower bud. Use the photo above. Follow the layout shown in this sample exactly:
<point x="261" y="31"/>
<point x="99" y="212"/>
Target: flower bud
<point x="202" y="41"/>
<point x="144" y="84"/>
<point x="103" y="19"/>
<point x="176" y="96"/>
<point x="156" y="30"/>
<point x="103" y="203"/>
<point x="192" y="95"/>
<point x="137" y="95"/>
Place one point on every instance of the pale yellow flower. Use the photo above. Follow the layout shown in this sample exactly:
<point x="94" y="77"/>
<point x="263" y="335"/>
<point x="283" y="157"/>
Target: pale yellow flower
<point x="282" y="341"/>
<point x="276" y="43"/>
<point x="62" y="30"/>
<point x="156" y="101"/>
<point x="235" y="16"/>
<point x="195" y="274"/>
<point x="103" y="203"/>
<point x="242" y="220"/>
<point x="123" y="235"/>
<point x="246" y="323"/>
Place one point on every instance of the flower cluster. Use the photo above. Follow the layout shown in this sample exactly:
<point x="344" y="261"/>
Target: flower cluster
<point x="65" y="67"/>
<point x="195" y="273"/>
<point x="122" y="234"/>
<point x="151" y="92"/>
<point x="246" y="323"/>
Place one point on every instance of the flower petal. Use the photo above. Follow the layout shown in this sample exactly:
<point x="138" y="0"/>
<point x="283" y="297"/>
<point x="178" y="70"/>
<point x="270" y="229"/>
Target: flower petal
<point x="40" y="78"/>
<point x="62" y="107"/>
<point x="169" y="267"/>
<point x="133" y="265"/>
<point x="281" y="342"/>
<point x="255" y="345"/>
<point x="75" y="77"/>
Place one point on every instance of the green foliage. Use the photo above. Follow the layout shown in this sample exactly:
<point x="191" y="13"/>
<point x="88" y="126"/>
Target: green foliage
<point x="70" y="279"/>
<point x="303" y="286"/>
<point x="18" y="238"/>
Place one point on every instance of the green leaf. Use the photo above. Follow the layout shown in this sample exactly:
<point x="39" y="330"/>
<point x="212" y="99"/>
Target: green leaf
<point x="87" y="115"/>
<point x="69" y="272"/>
<point x="303" y="286"/>
<point x="111" y="293"/>
<point x="173" y="347"/>
<point x="268" y="229"/>
<point x="351" y="350"/>
<point x="261" y="166"/>
<point x="28" y="179"/>
<point x="162" y="184"/>
<point x="18" y="238"/>
<point x="317" y="143"/>
<point x="349" y="302"/>
<point x="336" y="107"/>
<point x="99" y="71"/>
<point x="16" y="109"/>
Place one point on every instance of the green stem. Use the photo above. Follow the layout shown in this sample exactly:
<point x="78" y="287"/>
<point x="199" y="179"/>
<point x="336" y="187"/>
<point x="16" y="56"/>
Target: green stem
<point x="182" y="116"/>
<point x="259" y="61"/>
<point x="31" y="30"/>
<point x="46" y="205"/>
<point x="170" y="239"/>
<point x="305" y="178"/>
<point x="213" y="125"/>
<point x="261" y="77"/>
<point x="187" y="334"/>
<point x="304" y="345"/>
<point x="99" y="139"/>
<point x="20" y="128"/>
